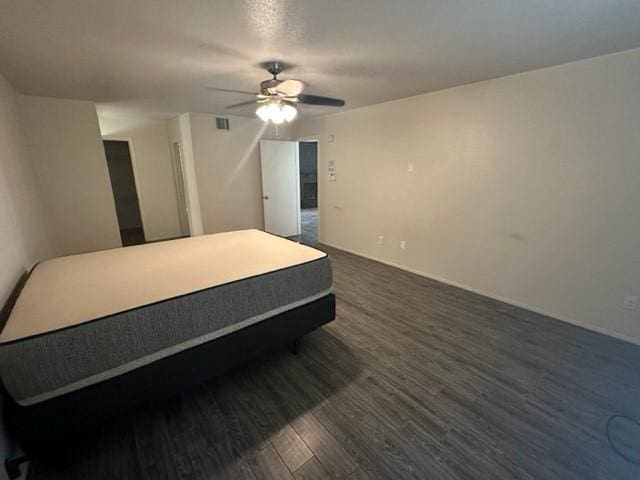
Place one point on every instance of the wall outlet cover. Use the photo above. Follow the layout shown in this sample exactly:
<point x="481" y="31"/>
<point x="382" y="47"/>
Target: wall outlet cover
<point x="380" y="240"/>
<point x="403" y="244"/>
<point x="630" y="302"/>
<point x="410" y="167"/>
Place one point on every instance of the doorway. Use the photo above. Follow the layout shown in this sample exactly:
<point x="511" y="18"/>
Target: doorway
<point x="308" y="158"/>
<point x="125" y="192"/>
<point x="178" y="177"/>
<point x="290" y="189"/>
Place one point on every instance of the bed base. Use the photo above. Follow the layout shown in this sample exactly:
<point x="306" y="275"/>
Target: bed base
<point x="38" y="426"/>
<point x="295" y="346"/>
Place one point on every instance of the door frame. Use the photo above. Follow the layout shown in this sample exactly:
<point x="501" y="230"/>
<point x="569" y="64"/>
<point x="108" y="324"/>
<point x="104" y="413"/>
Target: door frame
<point x="310" y="138"/>
<point x="134" y="167"/>
<point x="179" y="163"/>
<point x="298" y="192"/>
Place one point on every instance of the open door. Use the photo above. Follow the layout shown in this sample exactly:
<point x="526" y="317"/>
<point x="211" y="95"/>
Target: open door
<point x="280" y="187"/>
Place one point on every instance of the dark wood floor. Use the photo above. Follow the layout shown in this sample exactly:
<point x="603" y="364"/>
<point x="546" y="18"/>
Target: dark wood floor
<point x="414" y="379"/>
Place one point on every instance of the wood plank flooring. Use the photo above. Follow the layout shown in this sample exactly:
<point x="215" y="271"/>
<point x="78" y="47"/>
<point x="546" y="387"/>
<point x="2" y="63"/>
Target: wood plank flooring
<point x="414" y="379"/>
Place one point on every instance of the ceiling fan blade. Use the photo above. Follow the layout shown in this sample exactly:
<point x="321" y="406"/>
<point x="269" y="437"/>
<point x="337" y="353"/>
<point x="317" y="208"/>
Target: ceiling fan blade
<point x="290" y="88"/>
<point x="227" y="90"/>
<point x="318" y="100"/>
<point x="242" y="104"/>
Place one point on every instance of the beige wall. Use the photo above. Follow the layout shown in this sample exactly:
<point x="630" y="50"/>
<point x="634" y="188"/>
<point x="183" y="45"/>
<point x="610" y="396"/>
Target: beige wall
<point x="149" y="139"/>
<point x="524" y="188"/>
<point x="65" y="146"/>
<point x="228" y="172"/>
<point x="24" y="236"/>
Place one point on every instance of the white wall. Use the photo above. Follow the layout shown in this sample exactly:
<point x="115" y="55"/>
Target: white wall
<point x="227" y="167"/>
<point x="180" y="131"/>
<point x="149" y="139"/>
<point x="525" y="188"/>
<point x="24" y="236"/>
<point x="64" y="142"/>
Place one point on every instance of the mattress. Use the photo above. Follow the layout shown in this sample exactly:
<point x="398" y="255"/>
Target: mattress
<point x="83" y="319"/>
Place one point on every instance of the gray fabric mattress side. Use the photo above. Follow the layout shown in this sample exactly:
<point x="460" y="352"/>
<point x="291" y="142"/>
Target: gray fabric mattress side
<point x="37" y="368"/>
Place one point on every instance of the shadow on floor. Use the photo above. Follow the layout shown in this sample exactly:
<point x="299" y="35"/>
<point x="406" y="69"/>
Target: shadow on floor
<point x="215" y="429"/>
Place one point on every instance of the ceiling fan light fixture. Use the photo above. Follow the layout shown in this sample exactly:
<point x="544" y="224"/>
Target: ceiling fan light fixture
<point x="277" y="113"/>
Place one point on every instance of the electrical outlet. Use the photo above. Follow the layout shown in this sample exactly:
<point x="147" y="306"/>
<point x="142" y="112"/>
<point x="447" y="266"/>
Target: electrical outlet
<point x="410" y="167"/>
<point x="403" y="244"/>
<point x="630" y="302"/>
<point x="380" y="240"/>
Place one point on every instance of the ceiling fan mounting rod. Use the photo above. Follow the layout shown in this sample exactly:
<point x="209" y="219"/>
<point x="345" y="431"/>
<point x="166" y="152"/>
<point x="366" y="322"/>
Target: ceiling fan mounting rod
<point x="274" y="68"/>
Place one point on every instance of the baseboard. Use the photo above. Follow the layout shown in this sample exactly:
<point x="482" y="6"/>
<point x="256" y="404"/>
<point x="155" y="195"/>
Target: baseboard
<point x="556" y="316"/>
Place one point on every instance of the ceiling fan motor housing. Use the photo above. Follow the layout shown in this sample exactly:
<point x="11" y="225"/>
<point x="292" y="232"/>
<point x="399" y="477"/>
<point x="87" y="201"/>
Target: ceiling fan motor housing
<point x="269" y="84"/>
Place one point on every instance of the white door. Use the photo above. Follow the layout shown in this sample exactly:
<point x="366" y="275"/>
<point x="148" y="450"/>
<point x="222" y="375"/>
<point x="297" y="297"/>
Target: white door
<point x="280" y="187"/>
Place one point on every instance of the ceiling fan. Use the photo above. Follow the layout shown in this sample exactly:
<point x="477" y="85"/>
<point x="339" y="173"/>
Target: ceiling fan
<point x="277" y="98"/>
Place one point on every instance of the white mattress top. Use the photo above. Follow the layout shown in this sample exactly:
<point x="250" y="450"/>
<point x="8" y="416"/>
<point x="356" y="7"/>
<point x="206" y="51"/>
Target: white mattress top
<point x="66" y="291"/>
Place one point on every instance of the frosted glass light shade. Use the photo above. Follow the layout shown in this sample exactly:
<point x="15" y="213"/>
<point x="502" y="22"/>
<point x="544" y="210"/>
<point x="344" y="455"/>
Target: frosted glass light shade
<point x="289" y="113"/>
<point x="263" y="113"/>
<point x="275" y="113"/>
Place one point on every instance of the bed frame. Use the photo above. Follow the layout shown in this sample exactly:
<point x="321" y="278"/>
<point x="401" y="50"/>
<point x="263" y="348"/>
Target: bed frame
<point x="38" y="426"/>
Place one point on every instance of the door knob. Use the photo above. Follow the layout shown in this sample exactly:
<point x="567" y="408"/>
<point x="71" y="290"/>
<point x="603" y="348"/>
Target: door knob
<point x="266" y="197"/>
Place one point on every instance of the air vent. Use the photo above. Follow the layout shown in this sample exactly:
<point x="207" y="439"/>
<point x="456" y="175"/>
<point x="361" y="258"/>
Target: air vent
<point x="222" y="123"/>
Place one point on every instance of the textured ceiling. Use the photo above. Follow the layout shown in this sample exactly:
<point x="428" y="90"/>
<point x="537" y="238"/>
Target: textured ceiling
<point x="158" y="56"/>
